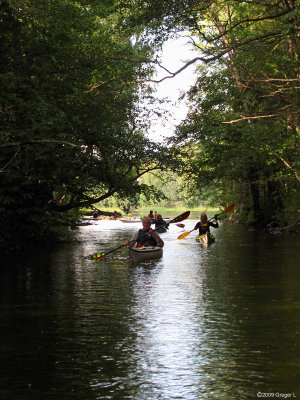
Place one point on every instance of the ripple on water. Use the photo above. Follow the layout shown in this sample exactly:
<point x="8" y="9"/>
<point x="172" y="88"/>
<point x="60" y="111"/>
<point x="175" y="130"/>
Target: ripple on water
<point x="200" y="323"/>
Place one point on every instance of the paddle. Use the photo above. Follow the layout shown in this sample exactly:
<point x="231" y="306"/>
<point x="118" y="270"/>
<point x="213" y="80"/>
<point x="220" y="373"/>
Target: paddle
<point x="227" y="209"/>
<point x="100" y="256"/>
<point x="179" y="226"/>
<point x="180" y="218"/>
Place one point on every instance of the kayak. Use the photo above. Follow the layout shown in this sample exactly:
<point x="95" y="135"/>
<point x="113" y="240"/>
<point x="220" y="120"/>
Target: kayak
<point x="130" y="220"/>
<point x="145" y="253"/>
<point x="161" y="229"/>
<point x="206" y="238"/>
<point x="95" y="219"/>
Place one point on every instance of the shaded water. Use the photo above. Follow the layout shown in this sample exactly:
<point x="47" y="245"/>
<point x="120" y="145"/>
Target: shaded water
<point x="201" y="323"/>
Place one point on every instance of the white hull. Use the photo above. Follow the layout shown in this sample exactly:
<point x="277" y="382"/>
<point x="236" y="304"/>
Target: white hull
<point x="127" y="220"/>
<point x="145" y="253"/>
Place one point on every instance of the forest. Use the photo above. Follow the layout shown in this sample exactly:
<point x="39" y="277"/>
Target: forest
<point x="73" y="130"/>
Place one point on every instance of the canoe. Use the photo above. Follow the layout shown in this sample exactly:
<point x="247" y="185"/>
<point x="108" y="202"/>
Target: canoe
<point x="205" y="239"/>
<point x="145" y="253"/>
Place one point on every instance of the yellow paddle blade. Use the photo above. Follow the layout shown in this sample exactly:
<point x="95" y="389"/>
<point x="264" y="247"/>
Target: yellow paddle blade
<point x="184" y="235"/>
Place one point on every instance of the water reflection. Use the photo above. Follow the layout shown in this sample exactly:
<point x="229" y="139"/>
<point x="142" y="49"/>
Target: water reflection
<point x="168" y="318"/>
<point x="200" y="323"/>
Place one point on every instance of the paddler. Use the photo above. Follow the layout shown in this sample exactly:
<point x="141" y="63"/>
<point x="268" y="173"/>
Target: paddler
<point x="96" y="213"/>
<point x="151" y="215"/>
<point x="160" y="222"/>
<point x="203" y="225"/>
<point x="145" y="236"/>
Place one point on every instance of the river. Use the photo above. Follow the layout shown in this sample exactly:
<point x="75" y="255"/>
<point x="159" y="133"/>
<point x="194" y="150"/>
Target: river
<point x="221" y="322"/>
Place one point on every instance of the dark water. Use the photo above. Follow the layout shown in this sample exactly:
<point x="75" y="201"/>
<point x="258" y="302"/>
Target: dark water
<point x="201" y="323"/>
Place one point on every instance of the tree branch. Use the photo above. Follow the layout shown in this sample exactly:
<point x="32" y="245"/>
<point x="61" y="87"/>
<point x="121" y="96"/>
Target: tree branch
<point x="37" y="142"/>
<point x="12" y="159"/>
<point x="20" y="144"/>
<point x="79" y="204"/>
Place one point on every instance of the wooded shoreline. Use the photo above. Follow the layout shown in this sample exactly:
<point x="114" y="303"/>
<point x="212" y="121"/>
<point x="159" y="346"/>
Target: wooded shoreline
<point x="77" y="102"/>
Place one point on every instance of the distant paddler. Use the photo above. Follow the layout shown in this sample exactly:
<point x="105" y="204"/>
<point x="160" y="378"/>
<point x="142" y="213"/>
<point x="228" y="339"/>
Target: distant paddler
<point x="151" y="215"/>
<point x="203" y="225"/>
<point x="96" y="213"/>
<point x="160" y="224"/>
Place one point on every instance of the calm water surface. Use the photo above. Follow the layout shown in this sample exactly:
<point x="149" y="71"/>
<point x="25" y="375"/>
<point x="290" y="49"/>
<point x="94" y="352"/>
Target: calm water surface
<point x="201" y="323"/>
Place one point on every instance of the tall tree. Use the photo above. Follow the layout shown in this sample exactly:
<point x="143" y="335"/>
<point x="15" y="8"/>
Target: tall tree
<point x="245" y="117"/>
<point x="71" y="127"/>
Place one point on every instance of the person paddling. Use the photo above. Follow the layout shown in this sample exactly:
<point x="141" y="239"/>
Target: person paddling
<point x="160" y="222"/>
<point x="146" y="236"/>
<point x="203" y="225"/>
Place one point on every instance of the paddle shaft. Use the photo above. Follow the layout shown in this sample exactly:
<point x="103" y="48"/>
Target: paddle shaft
<point x="111" y="251"/>
<point x="216" y="216"/>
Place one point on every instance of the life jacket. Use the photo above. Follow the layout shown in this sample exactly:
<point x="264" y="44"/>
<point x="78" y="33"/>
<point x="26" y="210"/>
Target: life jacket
<point x="203" y="228"/>
<point x="145" y="239"/>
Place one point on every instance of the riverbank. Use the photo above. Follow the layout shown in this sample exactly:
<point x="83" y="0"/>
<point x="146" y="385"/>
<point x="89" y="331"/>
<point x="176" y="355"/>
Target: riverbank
<point x="170" y="212"/>
<point x="142" y="211"/>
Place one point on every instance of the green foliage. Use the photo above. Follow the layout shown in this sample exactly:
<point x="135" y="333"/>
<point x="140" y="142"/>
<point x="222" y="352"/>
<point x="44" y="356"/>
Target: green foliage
<point x="71" y="128"/>
<point x="243" y="127"/>
<point x="168" y="190"/>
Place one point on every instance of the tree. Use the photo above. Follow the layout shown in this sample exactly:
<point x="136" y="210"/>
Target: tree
<point x="245" y="113"/>
<point x="71" y="128"/>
